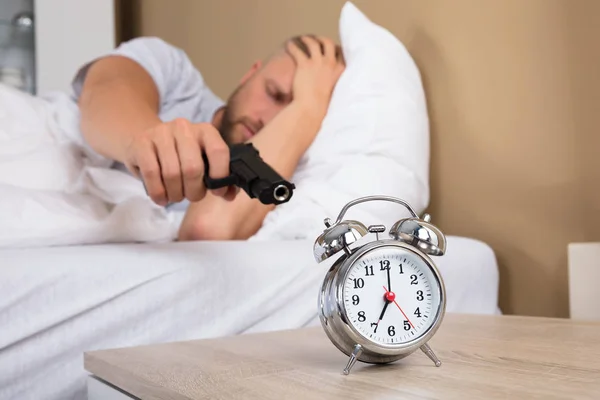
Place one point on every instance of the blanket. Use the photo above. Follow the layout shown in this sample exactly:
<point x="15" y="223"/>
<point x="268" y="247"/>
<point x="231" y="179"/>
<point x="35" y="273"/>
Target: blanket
<point x="56" y="192"/>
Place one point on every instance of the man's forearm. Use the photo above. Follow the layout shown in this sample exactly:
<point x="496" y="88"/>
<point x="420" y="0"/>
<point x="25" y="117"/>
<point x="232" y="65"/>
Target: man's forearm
<point x="118" y="100"/>
<point x="281" y="144"/>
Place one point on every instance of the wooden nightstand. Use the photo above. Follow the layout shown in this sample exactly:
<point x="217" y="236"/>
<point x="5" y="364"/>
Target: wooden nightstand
<point x="491" y="357"/>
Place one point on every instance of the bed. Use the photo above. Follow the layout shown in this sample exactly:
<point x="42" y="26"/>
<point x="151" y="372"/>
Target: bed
<point x="58" y="302"/>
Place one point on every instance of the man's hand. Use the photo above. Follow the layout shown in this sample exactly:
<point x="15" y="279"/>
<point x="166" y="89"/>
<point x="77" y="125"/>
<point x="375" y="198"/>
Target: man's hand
<point x="168" y="157"/>
<point x="316" y="75"/>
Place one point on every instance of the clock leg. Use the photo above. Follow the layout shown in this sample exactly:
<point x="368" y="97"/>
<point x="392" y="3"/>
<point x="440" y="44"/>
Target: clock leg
<point x="353" y="357"/>
<point x="427" y="350"/>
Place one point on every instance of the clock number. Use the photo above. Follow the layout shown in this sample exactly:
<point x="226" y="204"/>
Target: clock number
<point x="413" y="279"/>
<point x="358" y="283"/>
<point x="361" y="316"/>
<point x="418" y="312"/>
<point x="368" y="270"/>
<point x="374" y="324"/>
<point x="391" y="330"/>
<point x="384" y="264"/>
<point x="406" y="326"/>
<point x="401" y="271"/>
<point x="420" y="295"/>
<point x="355" y="300"/>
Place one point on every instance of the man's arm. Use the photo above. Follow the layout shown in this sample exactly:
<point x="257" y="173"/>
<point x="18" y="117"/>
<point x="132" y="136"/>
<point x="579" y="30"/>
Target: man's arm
<point x="120" y="104"/>
<point x="281" y="144"/>
<point x="119" y="99"/>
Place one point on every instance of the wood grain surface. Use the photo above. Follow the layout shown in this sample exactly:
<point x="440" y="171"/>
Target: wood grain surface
<point x="483" y="357"/>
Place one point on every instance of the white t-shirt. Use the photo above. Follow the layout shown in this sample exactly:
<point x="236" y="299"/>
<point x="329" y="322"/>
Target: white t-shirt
<point x="182" y="90"/>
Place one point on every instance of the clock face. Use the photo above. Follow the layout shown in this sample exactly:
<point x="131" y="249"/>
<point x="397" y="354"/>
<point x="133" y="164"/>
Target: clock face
<point x="391" y="296"/>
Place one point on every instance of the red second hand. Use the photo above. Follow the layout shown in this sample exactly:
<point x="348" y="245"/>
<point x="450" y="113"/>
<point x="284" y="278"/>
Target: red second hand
<point x="393" y="298"/>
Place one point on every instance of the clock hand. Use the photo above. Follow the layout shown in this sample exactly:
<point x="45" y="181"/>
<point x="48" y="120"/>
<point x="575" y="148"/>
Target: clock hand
<point x="387" y="303"/>
<point x="411" y="324"/>
<point x="389" y="280"/>
<point x="385" y="306"/>
<point x="392" y="297"/>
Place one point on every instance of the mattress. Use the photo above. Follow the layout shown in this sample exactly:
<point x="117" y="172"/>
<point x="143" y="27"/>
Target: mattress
<point x="59" y="302"/>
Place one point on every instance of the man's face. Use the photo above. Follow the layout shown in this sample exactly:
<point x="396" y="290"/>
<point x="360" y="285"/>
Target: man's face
<point x="264" y="91"/>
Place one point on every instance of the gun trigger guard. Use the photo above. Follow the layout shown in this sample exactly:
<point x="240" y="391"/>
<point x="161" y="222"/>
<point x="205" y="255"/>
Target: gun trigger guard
<point x="219" y="182"/>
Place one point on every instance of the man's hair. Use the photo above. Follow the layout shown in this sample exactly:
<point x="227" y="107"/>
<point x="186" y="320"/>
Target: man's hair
<point x="300" y="43"/>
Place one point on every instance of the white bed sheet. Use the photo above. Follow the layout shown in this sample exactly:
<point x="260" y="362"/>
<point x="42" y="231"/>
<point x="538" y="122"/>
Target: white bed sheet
<point x="58" y="302"/>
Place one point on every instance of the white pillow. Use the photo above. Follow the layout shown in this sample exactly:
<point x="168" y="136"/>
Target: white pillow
<point x="374" y="139"/>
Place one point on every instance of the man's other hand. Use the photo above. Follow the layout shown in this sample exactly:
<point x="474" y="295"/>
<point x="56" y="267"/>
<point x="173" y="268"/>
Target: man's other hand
<point x="317" y="72"/>
<point x="168" y="158"/>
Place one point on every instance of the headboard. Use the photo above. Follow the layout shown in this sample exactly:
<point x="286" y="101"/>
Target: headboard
<point x="512" y="91"/>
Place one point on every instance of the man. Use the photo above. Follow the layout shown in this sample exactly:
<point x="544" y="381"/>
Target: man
<point x="145" y="106"/>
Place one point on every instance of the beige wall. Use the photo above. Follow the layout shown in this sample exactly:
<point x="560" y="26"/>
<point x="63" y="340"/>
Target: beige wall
<point x="513" y="90"/>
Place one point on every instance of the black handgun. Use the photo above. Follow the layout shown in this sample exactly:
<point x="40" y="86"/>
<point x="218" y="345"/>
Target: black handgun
<point x="248" y="171"/>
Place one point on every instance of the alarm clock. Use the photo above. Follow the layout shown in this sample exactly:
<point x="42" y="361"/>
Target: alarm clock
<point x="382" y="299"/>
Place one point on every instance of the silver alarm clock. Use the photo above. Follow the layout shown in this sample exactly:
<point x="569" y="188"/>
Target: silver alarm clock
<point x="383" y="299"/>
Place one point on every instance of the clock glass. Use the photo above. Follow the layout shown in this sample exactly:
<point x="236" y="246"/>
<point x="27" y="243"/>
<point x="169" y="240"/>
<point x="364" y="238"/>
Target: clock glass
<point x="391" y="296"/>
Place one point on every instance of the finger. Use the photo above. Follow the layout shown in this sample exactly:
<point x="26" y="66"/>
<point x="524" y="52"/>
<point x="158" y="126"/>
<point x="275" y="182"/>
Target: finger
<point x="321" y="41"/>
<point x="217" y="153"/>
<point x="149" y="170"/>
<point x="295" y="48"/>
<point x="169" y="163"/>
<point x="314" y="46"/>
<point x="339" y="55"/>
<point x="134" y="169"/>
<point x="231" y="193"/>
<point x="340" y="68"/>
<point x="190" y="160"/>
<point x="328" y="45"/>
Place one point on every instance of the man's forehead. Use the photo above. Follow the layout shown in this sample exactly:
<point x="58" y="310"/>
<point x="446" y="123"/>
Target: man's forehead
<point x="281" y="64"/>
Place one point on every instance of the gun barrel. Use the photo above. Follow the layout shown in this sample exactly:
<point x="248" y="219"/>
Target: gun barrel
<point x="249" y="172"/>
